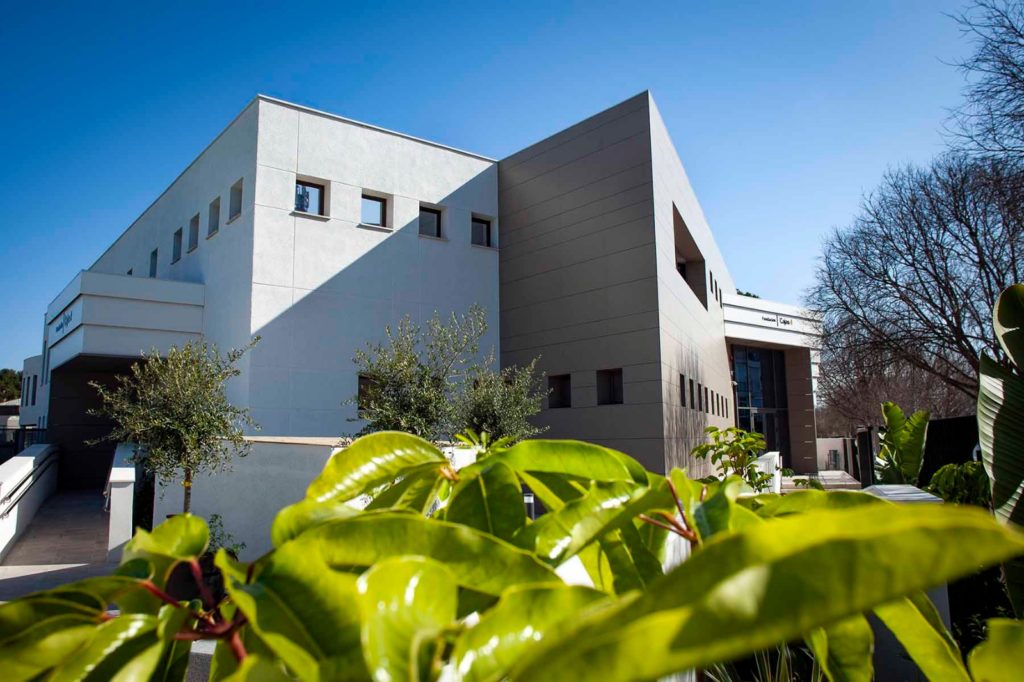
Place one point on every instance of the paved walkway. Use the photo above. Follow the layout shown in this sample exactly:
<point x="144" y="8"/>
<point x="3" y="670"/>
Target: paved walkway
<point x="66" y="541"/>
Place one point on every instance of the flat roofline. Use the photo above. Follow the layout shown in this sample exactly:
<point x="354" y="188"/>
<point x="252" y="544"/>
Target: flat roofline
<point x="370" y="126"/>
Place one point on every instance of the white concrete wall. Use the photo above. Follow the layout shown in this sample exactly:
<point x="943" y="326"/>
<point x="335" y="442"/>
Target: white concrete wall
<point x="692" y="336"/>
<point x="323" y="287"/>
<point x="35" y="471"/>
<point x="275" y="474"/>
<point x="221" y="261"/>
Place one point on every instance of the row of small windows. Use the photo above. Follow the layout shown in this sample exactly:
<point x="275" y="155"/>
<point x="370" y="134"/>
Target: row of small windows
<point x="609" y="388"/>
<point x="311" y="197"/>
<point x="702" y="398"/>
<point x="715" y="290"/>
<point x="28" y="389"/>
<point x="212" y="228"/>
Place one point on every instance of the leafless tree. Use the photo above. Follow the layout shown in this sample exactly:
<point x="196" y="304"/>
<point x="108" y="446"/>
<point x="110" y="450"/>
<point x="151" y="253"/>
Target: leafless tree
<point x="991" y="119"/>
<point x="913" y="280"/>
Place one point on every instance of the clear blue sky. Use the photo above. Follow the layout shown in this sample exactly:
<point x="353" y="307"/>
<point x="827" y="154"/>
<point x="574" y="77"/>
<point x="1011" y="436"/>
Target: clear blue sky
<point x="784" y="113"/>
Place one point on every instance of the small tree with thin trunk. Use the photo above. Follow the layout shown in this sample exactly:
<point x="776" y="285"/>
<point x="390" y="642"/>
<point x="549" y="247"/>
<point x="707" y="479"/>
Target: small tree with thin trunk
<point x="176" y="410"/>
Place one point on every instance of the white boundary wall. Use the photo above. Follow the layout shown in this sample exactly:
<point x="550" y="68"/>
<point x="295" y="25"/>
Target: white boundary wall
<point x="26" y="480"/>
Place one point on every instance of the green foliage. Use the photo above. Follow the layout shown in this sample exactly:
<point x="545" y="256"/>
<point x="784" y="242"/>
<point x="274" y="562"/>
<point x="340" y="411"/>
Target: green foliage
<point x="1001" y="425"/>
<point x="10" y="384"/>
<point x="221" y="538"/>
<point x="386" y="593"/>
<point x="901" y="445"/>
<point x="734" y="452"/>
<point x="431" y="383"/>
<point x="965" y="483"/>
<point x="176" y="410"/>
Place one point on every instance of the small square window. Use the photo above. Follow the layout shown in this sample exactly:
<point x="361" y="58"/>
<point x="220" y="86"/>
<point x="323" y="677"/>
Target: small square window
<point x="130" y="272"/>
<point x="482" y="232"/>
<point x="213" y="220"/>
<point x="309" y="197"/>
<point x="430" y="222"/>
<point x="176" y="250"/>
<point x="154" y="255"/>
<point x="374" y="211"/>
<point x="193" y="232"/>
<point x="559" y="391"/>
<point x="236" y="200"/>
<point x="609" y="387"/>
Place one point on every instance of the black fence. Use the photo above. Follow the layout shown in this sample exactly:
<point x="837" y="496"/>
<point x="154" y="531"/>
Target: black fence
<point x="13" y="441"/>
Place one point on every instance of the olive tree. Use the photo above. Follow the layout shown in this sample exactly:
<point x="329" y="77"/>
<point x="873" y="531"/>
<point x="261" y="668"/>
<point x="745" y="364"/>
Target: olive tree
<point x="176" y="410"/>
<point x="430" y="380"/>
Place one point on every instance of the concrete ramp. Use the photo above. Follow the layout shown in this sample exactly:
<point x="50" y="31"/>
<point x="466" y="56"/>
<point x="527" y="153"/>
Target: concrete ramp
<point x="66" y="541"/>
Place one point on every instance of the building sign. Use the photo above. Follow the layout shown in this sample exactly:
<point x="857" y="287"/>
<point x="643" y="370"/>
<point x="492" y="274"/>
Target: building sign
<point x="773" y="320"/>
<point x="64" y="323"/>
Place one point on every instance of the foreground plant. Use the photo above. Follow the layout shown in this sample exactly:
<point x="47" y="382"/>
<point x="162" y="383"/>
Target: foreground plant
<point x="384" y="593"/>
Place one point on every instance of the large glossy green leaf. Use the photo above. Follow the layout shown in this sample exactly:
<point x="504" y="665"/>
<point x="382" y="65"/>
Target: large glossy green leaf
<point x="183" y="537"/>
<point x="476" y="559"/>
<point x="17" y="616"/>
<point x="902" y="444"/>
<point x="1008" y="320"/>
<point x="998" y="658"/>
<point x="560" y="534"/>
<point x="127" y="640"/>
<point x="490" y="500"/>
<point x="844" y="649"/>
<point x="803" y="501"/>
<point x="523" y="617"/>
<point x="224" y="663"/>
<point x="770" y="583"/>
<point x="44" y="645"/>
<point x="919" y="628"/>
<point x="369" y="462"/>
<point x="576" y="459"/>
<point x="258" y="669"/>
<point x="305" y="612"/>
<point x="417" y="491"/>
<point x="291" y="521"/>
<point x="1001" y="435"/>
<point x="404" y="602"/>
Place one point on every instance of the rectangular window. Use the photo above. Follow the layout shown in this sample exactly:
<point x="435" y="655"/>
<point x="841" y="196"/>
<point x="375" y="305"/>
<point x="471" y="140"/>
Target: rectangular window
<point x="130" y="271"/>
<point x="707" y="406"/>
<point x="374" y="211"/>
<point x="559" y="391"/>
<point x="153" y="256"/>
<point x="682" y="390"/>
<point x="700" y="400"/>
<point x="693" y="399"/>
<point x="35" y="380"/>
<point x="235" y="208"/>
<point x="213" y="220"/>
<point x="430" y="222"/>
<point x="726" y="408"/>
<point x="609" y="387"/>
<point x="482" y="232"/>
<point x="309" y="197"/>
<point x="176" y="250"/>
<point x="193" y="232"/>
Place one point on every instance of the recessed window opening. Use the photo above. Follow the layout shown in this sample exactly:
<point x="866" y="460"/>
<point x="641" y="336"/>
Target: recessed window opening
<point x="153" y="257"/>
<point x="609" y="387"/>
<point x="559" y="391"/>
<point x="213" y="220"/>
<point x="682" y="390"/>
<point x="430" y="222"/>
<point x="309" y="197"/>
<point x="693" y="400"/>
<point x="176" y="246"/>
<point x="481" y="232"/>
<point x="236" y="200"/>
<point x="689" y="259"/>
<point x="193" y="232"/>
<point x="374" y="211"/>
<point x="130" y="271"/>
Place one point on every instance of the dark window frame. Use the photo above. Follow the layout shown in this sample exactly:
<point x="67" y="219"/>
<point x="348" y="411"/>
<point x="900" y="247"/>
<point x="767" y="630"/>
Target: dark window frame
<point x="177" y="244"/>
<point x="693" y="400"/>
<point x="383" y="210"/>
<point x="682" y="390"/>
<point x="312" y="185"/>
<point x="193" y="232"/>
<point x="213" y="226"/>
<point x="154" y="262"/>
<point x="435" y="212"/>
<point x="609" y="386"/>
<point x="565" y="392"/>
<point x="488" y="231"/>
<point x="237" y="191"/>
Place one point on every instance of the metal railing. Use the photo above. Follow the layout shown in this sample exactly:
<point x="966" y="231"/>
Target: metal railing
<point x="19" y="488"/>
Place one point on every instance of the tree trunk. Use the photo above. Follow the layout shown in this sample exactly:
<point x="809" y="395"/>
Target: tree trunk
<point x="186" y="505"/>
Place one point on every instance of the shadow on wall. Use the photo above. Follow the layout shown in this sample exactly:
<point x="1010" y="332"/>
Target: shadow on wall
<point x="344" y="285"/>
<point x="684" y="425"/>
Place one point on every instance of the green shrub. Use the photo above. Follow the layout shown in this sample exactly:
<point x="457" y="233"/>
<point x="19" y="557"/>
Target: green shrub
<point x="385" y="593"/>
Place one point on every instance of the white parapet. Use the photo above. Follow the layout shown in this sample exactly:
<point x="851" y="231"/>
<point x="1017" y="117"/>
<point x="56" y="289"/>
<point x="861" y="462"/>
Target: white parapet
<point x="120" y="494"/>
<point x="26" y="480"/>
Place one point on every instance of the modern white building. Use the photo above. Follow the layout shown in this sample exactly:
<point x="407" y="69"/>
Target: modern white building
<point x="314" y="232"/>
